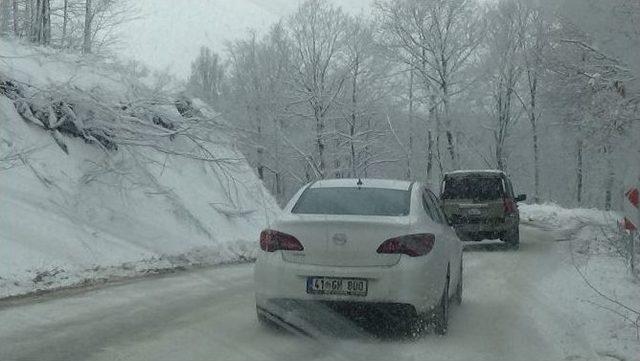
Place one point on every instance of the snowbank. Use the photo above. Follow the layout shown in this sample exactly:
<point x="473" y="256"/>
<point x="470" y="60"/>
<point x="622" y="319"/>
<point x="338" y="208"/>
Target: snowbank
<point x="592" y="228"/>
<point x="553" y="216"/>
<point x="77" y="212"/>
<point x="595" y="263"/>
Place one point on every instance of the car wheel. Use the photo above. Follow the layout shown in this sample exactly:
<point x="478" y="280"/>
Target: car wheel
<point x="512" y="237"/>
<point x="457" y="297"/>
<point x="441" y="314"/>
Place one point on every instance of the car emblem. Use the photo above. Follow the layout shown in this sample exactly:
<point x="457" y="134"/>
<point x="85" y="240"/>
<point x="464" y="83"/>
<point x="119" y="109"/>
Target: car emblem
<point x="340" y="239"/>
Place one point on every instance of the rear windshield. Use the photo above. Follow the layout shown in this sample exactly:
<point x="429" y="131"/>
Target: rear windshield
<point x="354" y="201"/>
<point x="475" y="188"/>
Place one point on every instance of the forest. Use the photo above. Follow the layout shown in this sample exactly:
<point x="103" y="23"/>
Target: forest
<point x="411" y="89"/>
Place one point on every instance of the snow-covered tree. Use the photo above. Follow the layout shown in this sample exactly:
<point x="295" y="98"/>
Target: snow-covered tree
<point x="41" y="22"/>
<point x="318" y="33"/>
<point x="437" y="38"/>
<point x="505" y="66"/>
<point x="207" y="76"/>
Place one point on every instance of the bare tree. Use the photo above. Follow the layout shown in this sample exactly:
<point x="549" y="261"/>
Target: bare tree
<point x="438" y="39"/>
<point x="207" y="76"/>
<point x="318" y="33"/>
<point x="41" y="22"/>
<point x="534" y="43"/>
<point x="368" y="85"/>
<point x="5" y="17"/>
<point x="505" y="68"/>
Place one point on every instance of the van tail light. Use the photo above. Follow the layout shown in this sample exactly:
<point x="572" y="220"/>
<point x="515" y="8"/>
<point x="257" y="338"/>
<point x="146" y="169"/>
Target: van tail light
<point x="271" y="241"/>
<point x="509" y="206"/>
<point x="413" y="245"/>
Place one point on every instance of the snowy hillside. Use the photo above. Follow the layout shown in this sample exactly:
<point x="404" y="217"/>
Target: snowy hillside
<point x="158" y="37"/>
<point x="76" y="210"/>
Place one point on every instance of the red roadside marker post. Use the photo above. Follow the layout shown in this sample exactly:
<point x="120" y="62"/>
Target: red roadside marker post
<point x="631" y="221"/>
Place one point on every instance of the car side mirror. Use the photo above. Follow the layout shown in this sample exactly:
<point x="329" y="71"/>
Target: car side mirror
<point x="521" y="198"/>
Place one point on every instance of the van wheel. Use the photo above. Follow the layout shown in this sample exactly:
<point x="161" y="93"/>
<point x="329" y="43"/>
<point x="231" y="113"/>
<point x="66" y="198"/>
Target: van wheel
<point x="512" y="237"/>
<point x="441" y="313"/>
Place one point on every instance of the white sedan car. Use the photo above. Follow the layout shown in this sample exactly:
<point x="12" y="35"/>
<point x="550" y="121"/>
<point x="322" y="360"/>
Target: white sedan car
<point x="370" y="241"/>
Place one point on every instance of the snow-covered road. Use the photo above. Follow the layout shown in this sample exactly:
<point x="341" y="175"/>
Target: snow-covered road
<point x="508" y="313"/>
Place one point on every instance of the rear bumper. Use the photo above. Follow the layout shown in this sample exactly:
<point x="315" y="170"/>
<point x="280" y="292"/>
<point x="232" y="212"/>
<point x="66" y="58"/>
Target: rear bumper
<point x="415" y="281"/>
<point x="487" y="227"/>
<point x="482" y="228"/>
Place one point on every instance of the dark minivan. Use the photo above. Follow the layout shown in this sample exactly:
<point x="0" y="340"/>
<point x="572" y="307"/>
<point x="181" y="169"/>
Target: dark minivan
<point x="480" y="204"/>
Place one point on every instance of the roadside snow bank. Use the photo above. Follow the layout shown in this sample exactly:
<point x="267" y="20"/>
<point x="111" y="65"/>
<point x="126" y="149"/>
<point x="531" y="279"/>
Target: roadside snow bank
<point x="73" y="211"/>
<point x="595" y="279"/>
<point x="592" y="228"/>
<point x="553" y="216"/>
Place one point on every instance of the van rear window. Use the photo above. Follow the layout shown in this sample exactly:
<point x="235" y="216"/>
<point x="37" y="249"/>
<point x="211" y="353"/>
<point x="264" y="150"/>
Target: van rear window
<point x="473" y="188"/>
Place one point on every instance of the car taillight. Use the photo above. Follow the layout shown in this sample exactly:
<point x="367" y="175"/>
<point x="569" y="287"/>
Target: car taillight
<point x="413" y="245"/>
<point x="271" y="241"/>
<point x="509" y="206"/>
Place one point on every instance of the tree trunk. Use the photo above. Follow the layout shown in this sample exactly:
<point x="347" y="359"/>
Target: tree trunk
<point x="337" y="163"/>
<point x="429" y="155"/>
<point x="499" y="156"/>
<point x="88" y="18"/>
<point x="608" y="195"/>
<point x="438" y="155"/>
<point x="34" y="28"/>
<point x="536" y="162"/>
<point x="259" y="147"/>
<point x="46" y="22"/>
<point x="320" y="141"/>
<point x="41" y="23"/>
<point x="5" y="17"/>
<point x="354" y="110"/>
<point x="452" y="149"/>
<point x="352" y="132"/>
<point x="15" y="17"/>
<point x="28" y="18"/>
<point x="410" y="126"/>
<point x="367" y="139"/>
<point x="579" y="172"/>
<point x="65" y="22"/>
<point x="448" y="132"/>
<point x="278" y="180"/>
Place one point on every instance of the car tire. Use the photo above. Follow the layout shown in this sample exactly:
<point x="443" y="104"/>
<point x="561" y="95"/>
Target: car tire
<point x="512" y="237"/>
<point x="457" y="297"/>
<point x="441" y="313"/>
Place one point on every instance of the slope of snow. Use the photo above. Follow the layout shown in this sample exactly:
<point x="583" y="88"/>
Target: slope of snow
<point x="594" y="260"/>
<point x="70" y="218"/>
<point x="168" y="37"/>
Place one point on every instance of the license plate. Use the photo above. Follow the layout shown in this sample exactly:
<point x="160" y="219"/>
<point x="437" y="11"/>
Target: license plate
<point x="474" y="212"/>
<point x="337" y="286"/>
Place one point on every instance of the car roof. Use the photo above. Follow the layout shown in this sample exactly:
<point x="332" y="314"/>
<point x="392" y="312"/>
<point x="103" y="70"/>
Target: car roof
<point x="366" y="183"/>
<point x="481" y="172"/>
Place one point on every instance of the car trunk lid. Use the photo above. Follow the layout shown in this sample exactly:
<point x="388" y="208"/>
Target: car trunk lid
<point x="339" y="240"/>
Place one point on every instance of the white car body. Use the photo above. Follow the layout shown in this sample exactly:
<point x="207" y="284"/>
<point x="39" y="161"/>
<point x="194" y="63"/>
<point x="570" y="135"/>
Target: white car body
<point x="392" y="278"/>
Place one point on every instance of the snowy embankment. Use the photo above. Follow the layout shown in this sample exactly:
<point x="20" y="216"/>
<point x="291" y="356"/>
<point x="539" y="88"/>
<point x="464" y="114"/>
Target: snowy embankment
<point x="156" y="190"/>
<point x="594" y="282"/>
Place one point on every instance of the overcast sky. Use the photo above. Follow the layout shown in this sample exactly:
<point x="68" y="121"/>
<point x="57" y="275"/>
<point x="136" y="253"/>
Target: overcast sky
<point x="169" y="35"/>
